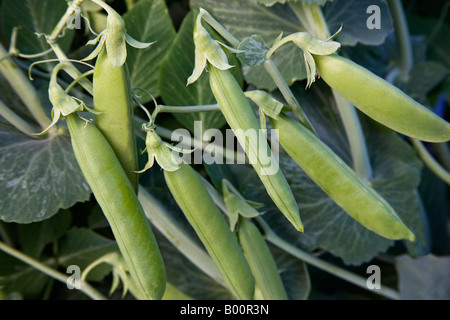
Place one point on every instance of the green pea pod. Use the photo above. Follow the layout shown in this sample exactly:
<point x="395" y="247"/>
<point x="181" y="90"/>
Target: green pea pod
<point x="212" y="229"/>
<point x="261" y="261"/>
<point x="380" y="100"/>
<point x="120" y="205"/>
<point x="339" y="181"/>
<point x="112" y="101"/>
<point x="239" y="116"/>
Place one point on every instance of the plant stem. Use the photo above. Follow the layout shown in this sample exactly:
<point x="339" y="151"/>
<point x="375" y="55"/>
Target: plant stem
<point x="85" y="287"/>
<point x="187" y="109"/>
<point x="323" y="265"/>
<point x="406" y="60"/>
<point x="158" y="216"/>
<point x="17" y="121"/>
<point x="430" y="162"/>
<point x="278" y="78"/>
<point x="232" y="40"/>
<point x="311" y="17"/>
<point x="23" y="88"/>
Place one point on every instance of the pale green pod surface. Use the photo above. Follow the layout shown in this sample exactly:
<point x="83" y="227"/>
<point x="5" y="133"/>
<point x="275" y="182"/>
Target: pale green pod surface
<point x="112" y="99"/>
<point x="261" y="261"/>
<point x="120" y="205"/>
<point x="339" y="181"/>
<point x="240" y="117"/>
<point x="381" y="100"/>
<point x="211" y="227"/>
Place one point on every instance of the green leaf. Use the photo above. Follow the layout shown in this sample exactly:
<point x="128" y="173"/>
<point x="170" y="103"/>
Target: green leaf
<point x="424" y="278"/>
<point x="148" y="21"/>
<point x="176" y="69"/>
<point x="81" y="247"/>
<point x="352" y="16"/>
<point x="244" y="18"/>
<point x="34" y="16"/>
<point x="39" y="176"/>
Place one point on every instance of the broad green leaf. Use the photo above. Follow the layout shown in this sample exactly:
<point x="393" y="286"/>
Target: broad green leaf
<point x="424" y="278"/>
<point x="148" y="21"/>
<point x="176" y="69"/>
<point x="81" y="247"/>
<point x="34" y="16"/>
<point x="39" y="177"/>
<point x="327" y="227"/>
<point x="353" y="17"/>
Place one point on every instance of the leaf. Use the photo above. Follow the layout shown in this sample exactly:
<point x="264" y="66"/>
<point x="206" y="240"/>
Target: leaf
<point x="254" y="51"/>
<point x="327" y="227"/>
<point x="272" y="2"/>
<point x="39" y="176"/>
<point x="33" y="237"/>
<point x="246" y="18"/>
<point x="176" y="69"/>
<point x="424" y="278"/>
<point x="82" y="246"/>
<point x="34" y="16"/>
<point x="148" y="21"/>
<point x="352" y="16"/>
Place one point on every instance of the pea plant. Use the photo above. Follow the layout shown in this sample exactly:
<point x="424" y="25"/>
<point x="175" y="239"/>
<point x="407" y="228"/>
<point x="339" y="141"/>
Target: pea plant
<point x="212" y="150"/>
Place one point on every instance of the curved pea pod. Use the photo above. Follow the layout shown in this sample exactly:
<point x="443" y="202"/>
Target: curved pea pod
<point x="261" y="261"/>
<point x="381" y="100"/>
<point x="120" y="205"/>
<point x="240" y="117"/>
<point x="114" y="118"/>
<point x="212" y="229"/>
<point x="339" y="181"/>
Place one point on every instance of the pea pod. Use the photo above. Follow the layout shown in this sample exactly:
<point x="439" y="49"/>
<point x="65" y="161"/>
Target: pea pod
<point x="212" y="229"/>
<point x="339" y="181"/>
<point x="239" y="116"/>
<point x="114" y="119"/>
<point x="262" y="264"/>
<point x="380" y="100"/>
<point x="120" y="205"/>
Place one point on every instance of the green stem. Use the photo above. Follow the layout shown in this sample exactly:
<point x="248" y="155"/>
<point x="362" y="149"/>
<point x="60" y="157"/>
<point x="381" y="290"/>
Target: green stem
<point x="232" y="40"/>
<point x="23" y="88"/>
<point x="311" y="17"/>
<point x="323" y="265"/>
<point x="430" y="162"/>
<point x="17" y="121"/>
<point x="187" y="109"/>
<point x="85" y="287"/>
<point x="292" y="102"/>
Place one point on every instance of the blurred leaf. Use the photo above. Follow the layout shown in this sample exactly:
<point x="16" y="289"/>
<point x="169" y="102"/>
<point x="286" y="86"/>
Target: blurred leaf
<point x="81" y="247"/>
<point x="34" y="16"/>
<point x="39" y="176"/>
<point x="148" y="21"/>
<point x="424" y="278"/>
